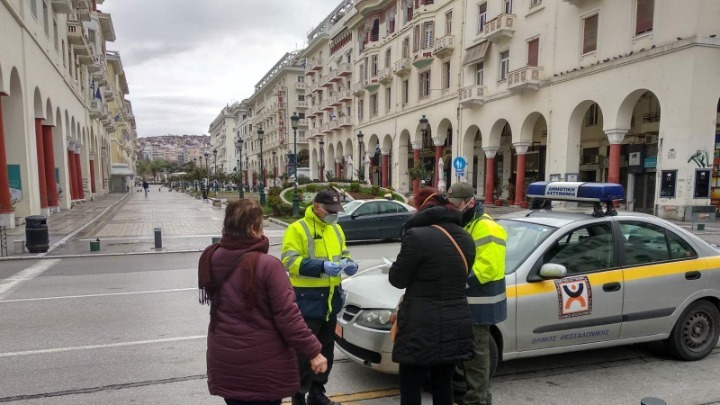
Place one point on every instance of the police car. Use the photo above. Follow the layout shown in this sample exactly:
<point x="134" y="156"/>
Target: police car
<point x="575" y="281"/>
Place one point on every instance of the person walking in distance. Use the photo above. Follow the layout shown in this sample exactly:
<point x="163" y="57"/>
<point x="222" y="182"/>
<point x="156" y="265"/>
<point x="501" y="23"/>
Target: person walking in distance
<point x="486" y="288"/>
<point x="256" y="331"/>
<point x="314" y="254"/>
<point x="145" y="186"/>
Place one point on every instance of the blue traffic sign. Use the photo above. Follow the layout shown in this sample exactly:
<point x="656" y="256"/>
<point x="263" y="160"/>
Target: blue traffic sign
<point x="459" y="164"/>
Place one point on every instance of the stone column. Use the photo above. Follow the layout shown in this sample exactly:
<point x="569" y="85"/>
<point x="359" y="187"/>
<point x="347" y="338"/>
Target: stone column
<point x="368" y="161"/>
<point x="385" y="165"/>
<point x="92" y="172"/>
<point x="438" y="155"/>
<point x="78" y="173"/>
<point x="490" y="174"/>
<point x="7" y="216"/>
<point x="615" y="137"/>
<point x="53" y="203"/>
<point x="521" y="149"/>
<point x="41" y="166"/>
<point x="71" y="171"/>
<point x="416" y="147"/>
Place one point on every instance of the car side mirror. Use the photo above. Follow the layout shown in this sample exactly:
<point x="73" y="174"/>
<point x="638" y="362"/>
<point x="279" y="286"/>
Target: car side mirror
<point x="552" y="271"/>
<point x="354" y="215"/>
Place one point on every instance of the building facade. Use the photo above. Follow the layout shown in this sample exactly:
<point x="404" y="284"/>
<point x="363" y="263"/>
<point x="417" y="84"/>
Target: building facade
<point x="64" y="121"/>
<point x="521" y="90"/>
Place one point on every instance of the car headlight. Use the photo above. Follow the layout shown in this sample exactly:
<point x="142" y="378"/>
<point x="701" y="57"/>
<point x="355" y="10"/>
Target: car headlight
<point x="375" y="318"/>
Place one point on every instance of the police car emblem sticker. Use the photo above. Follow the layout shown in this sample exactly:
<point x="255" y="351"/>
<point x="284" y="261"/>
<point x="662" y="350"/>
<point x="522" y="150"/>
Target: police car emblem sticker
<point x="574" y="296"/>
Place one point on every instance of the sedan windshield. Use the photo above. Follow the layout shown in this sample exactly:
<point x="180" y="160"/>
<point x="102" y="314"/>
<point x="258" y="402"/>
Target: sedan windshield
<point x="522" y="239"/>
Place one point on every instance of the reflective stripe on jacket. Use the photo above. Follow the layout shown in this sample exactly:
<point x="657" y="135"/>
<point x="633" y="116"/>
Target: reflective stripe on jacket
<point x="307" y="244"/>
<point x="486" y="282"/>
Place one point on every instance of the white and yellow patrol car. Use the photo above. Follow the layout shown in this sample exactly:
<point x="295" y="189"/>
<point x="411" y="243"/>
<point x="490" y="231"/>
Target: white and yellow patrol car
<point x="575" y="281"/>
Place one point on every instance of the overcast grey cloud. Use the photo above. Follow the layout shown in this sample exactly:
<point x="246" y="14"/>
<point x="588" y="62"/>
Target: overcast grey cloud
<point x="186" y="59"/>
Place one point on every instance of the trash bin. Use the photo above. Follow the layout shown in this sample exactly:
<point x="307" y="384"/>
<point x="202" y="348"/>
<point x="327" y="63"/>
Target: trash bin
<point x="37" y="239"/>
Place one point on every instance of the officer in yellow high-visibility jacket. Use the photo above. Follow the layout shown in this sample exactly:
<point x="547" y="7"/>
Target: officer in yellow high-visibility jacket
<point x="314" y="254"/>
<point x="486" y="288"/>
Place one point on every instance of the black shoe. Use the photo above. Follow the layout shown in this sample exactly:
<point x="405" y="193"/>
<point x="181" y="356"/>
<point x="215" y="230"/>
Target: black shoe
<point x="298" y="399"/>
<point x="319" y="398"/>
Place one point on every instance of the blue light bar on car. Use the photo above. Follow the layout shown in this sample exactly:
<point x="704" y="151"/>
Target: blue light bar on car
<point x="576" y="191"/>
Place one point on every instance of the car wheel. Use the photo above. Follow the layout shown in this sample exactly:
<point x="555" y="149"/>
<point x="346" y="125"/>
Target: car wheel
<point x="696" y="332"/>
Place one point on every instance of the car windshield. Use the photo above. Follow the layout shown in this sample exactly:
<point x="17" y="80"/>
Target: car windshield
<point x="351" y="206"/>
<point x="522" y="239"/>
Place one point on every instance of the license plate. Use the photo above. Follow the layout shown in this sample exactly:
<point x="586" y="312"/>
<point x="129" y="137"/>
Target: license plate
<point x="338" y="331"/>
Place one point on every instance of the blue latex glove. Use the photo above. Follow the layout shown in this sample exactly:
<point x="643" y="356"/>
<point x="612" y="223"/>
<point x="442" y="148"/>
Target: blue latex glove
<point x="349" y="266"/>
<point x="331" y="268"/>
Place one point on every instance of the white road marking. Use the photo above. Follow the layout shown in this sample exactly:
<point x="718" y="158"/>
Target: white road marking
<point x="25" y="275"/>
<point x="96" y="295"/>
<point x="105" y="346"/>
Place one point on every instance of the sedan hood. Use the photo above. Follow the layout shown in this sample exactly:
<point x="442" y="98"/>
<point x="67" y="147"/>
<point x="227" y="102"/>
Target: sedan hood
<point x="371" y="289"/>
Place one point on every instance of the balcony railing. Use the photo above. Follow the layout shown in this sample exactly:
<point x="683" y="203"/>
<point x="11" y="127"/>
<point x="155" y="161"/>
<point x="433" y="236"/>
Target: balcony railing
<point x="525" y="78"/>
<point x="345" y="95"/>
<point x="62" y="6"/>
<point x="472" y="95"/>
<point x="301" y="104"/>
<point x="443" y="46"/>
<point x="500" y="27"/>
<point x="96" y="108"/>
<point x="302" y="86"/>
<point x="386" y="75"/>
<point x="345" y="69"/>
<point x="302" y="122"/>
<point x="358" y="88"/>
<point x="345" y="121"/>
<point x="402" y="67"/>
<point x="75" y="33"/>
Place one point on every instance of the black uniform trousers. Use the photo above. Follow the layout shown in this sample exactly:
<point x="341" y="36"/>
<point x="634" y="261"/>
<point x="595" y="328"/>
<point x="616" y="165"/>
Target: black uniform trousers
<point x="324" y="330"/>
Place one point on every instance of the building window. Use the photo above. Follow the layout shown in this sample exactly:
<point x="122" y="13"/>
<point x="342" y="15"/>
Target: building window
<point x="62" y="43"/>
<point x="416" y="38"/>
<point x="406" y="47"/>
<point x="533" y="49"/>
<point x="91" y="37"/>
<point x="590" y="34"/>
<point x="482" y="17"/>
<point x="388" y="57"/>
<point x="448" y="23"/>
<point x="534" y="3"/>
<point x="406" y="91"/>
<point x="374" y="66"/>
<point x="446" y="75"/>
<point x="424" y="83"/>
<point x="644" y="16"/>
<point x="56" y="36"/>
<point x="428" y="34"/>
<point x="301" y="79"/>
<point x="361" y="109"/>
<point x="46" y="18"/>
<point x="373" y="105"/>
<point x="507" y="6"/>
<point x="479" y="74"/>
<point x="504" y="64"/>
<point x="363" y="72"/>
<point x="301" y="97"/>
<point x="591" y="117"/>
<point x="388" y="99"/>
<point x="33" y="8"/>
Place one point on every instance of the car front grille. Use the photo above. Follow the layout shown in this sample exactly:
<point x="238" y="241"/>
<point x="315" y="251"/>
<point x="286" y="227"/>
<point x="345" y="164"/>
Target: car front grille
<point x="350" y="312"/>
<point x="366" y="355"/>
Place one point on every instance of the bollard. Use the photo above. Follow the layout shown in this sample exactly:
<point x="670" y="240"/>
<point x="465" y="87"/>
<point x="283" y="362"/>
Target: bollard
<point x="652" y="401"/>
<point x="158" y="238"/>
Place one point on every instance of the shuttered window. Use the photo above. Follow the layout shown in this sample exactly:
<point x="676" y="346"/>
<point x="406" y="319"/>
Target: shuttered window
<point x="644" y="16"/>
<point x="590" y="34"/>
<point x="533" y="47"/>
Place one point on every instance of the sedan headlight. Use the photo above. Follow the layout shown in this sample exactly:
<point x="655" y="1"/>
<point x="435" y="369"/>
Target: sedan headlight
<point x="375" y="318"/>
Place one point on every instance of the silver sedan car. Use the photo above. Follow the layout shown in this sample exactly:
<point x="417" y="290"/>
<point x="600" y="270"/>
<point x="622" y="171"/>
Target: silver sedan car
<point x="574" y="282"/>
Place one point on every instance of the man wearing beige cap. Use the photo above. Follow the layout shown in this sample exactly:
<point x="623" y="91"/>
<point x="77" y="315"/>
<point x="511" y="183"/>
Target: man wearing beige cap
<point x="486" y="288"/>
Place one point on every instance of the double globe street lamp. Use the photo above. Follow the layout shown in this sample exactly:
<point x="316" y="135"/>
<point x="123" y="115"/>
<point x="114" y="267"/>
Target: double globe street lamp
<point x="261" y="186"/>
<point x="361" y="161"/>
<point x="238" y="150"/>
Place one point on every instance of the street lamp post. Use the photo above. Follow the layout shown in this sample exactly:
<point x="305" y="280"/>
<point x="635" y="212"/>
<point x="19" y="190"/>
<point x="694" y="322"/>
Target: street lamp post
<point x="207" y="173"/>
<point x="295" y="120"/>
<point x="238" y="146"/>
<point x="322" y="159"/>
<point x="423" y="131"/>
<point x="215" y="160"/>
<point x="361" y="161"/>
<point x="261" y="186"/>
<point x="274" y="173"/>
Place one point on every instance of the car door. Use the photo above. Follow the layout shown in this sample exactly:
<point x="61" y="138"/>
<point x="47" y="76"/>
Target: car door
<point x="583" y="307"/>
<point x="661" y="270"/>
<point x="364" y="221"/>
<point x="392" y="219"/>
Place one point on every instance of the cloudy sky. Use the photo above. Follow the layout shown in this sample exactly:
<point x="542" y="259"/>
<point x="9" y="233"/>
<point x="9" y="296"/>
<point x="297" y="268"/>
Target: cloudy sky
<point x="186" y="59"/>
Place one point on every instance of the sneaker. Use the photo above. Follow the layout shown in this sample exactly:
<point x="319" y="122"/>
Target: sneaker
<point x="298" y="399"/>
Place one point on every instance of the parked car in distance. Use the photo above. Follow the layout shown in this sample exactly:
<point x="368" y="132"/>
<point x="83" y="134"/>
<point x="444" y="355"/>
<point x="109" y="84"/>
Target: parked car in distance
<point x="374" y="219"/>
<point x="575" y="281"/>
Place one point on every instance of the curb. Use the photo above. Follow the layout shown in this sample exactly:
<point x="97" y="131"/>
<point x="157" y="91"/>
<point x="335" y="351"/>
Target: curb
<point x="278" y="222"/>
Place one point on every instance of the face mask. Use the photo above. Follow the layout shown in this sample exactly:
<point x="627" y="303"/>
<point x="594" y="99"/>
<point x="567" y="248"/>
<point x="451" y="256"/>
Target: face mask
<point x="330" y="219"/>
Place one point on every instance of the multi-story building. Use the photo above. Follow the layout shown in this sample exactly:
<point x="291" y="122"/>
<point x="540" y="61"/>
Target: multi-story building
<point x="60" y="96"/>
<point x="520" y="90"/>
<point x="278" y="93"/>
<point x="243" y="127"/>
<point x="222" y="138"/>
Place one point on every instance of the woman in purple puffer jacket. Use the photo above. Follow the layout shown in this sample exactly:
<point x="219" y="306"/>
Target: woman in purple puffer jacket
<point x="255" y="325"/>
